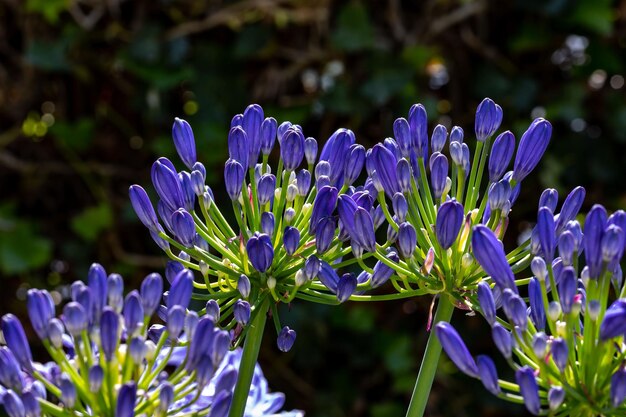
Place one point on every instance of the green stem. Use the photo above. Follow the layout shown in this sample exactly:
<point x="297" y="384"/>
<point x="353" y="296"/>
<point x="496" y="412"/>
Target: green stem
<point x="430" y="360"/>
<point x="248" y="360"/>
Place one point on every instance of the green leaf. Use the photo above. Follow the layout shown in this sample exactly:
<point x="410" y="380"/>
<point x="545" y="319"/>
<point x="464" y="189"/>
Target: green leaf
<point x="91" y="222"/>
<point x="21" y="248"/>
<point x="354" y="30"/>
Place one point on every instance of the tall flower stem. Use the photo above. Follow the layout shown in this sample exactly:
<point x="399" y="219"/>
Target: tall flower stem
<point x="248" y="360"/>
<point x="426" y="375"/>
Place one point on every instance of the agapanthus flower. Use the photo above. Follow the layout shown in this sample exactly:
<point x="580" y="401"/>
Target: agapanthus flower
<point x="105" y="356"/>
<point x="565" y="342"/>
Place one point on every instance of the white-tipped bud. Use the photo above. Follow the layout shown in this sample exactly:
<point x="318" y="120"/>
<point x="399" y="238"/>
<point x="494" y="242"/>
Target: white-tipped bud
<point x="271" y="283"/>
<point x="538" y="268"/>
<point x="584" y="276"/>
<point x="554" y="311"/>
<point x="292" y="192"/>
<point x="593" y="310"/>
<point x="300" y="278"/>
<point x="277" y="194"/>
<point x="150" y="350"/>
<point x="447" y="187"/>
<point x="290" y="213"/>
<point x="204" y="268"/>
<point x="561" y="329"/>
<point x="467" y="260"/>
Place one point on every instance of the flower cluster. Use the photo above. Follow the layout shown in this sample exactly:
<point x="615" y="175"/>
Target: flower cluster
<point x="108" y="361"/>
<point x="436" y="200"/>
<point x="565" y="342"/>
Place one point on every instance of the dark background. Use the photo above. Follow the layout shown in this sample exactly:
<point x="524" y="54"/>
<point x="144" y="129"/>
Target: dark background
<point x="89" y="90"/>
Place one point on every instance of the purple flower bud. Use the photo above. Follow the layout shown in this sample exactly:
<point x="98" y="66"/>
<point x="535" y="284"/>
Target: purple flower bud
<point x="448" y="223"/>
<point x="286" y="339"/>
<point x="567" y="246"/>
<point x="311" y="267"/>
<point x="186" y="186"/>
<point x="612" y="244"/>
<point x="31" y="403"/>
<point x="191" y="322"/>
<point x="97" y="282"/>
<point x="282" y="129"/>
<point x="614" y="321"/>
<point x="556" y="395"/>
<point x="354" y="162"/>
<point x="251" y="123"/>
<point x="238" y="146"/>
<point x="241" y="311"/>
<point x="323" y="206"/>
<point x="328" y="276"/>
<point x="233" y="178"/>
<point x="267" y="185"/>
<point x="325" y="234"/>
<point x="407" y="240"/>
<point x="109" y="332"/>
<point x="143" y="207"/>
<point x="310" y="151"/>
<point x="547" y="237"/>
<point x="346" y="287"/>
<point x="172" y="268"/>
<point x="303" y="181"/>
<point x="268" y="135"/>
<point x="197" y="183"/>
<point x="166" y="397"/>
<point x="175" y="321"/>
<point x="456" y="153"/>
<point x="96" y="376"/>
<point x="384" y="163"/>
<point x="382" y="272"/>
<point x="10" y="374"/>
<point x="501" y="154"/>
<point x="133" y="312"/>
<point x="535" y="299"/>
<point x="400" y="207"/>
<point x="291" y="240"/>
<point x="525" y="378"/>
<point x="292" y="149"/>
<point x="418" y="122"/>
<point x="456" y="134"/>
<point x="486" y="301"/>
<point x="213" y="310"/>
<point x="204" y="371"/>
<point x="567" y="288"/>
<point x="438" y="174"/>
<point x="438" y="138"/>
<point x="167" y="184"/>
<point x="499" y="194"/>
<point x="488" y="374"/>
<point x="180" y="292"/>
<point x="515" y="309"/>
<point x="13" y="405"/>
<point x="40" y="309"/>
<point x="137" y="350"/>
<point x="221" y="404"/>
<point x="126" y="400"/>
<point x="151" y="292"/>
<point x="402" y="133"/>
<point x="559" y="353"/>
<point x="455" y="348"/>
<point x="571" y="206"/>
<point x="595" y="224"/>
<point x="184" y="142"/>
<point x="403" y="173"/>
<point x="488" y="119"/>
<point x="260" y="251"/>
<point x="502" y="339"/>
<point x="618" y="387"/>
<point x="267" y="223"/>
<point x="183" y="227"/>
<point x="243" y="286"/>
<point x="489" y="253"/>
<point x="75" y="318"/>
<point x="549" y="198"/>
<point x="531" y="148"/>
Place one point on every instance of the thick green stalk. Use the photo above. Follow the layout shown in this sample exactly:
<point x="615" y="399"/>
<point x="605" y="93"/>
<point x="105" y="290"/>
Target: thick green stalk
<point x="426" y="375"/>
<point x="248" y="360"/>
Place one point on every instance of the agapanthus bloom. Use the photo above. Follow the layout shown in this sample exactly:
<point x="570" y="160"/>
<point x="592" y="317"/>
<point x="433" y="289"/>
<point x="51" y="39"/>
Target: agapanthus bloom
<point x="566" y="340"/>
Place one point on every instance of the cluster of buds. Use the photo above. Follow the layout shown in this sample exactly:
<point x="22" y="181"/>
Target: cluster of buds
<point x="288" y="242"/>
<point x="436" y="201"/>
<point x="565" y="342"/>
<point x="107" y="359"/>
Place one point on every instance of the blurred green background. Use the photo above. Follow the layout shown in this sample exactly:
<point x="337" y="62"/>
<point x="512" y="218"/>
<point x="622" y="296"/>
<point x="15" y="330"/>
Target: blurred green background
<point x="89" y="89"/>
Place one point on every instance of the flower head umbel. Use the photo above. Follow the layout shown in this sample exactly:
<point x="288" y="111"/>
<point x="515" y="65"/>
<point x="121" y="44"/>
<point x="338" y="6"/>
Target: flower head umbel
<point x="107" y="360"/>
<point x="438" y="198"/>
<point x="566" y="340"/>
<point x="287" y="227"/>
